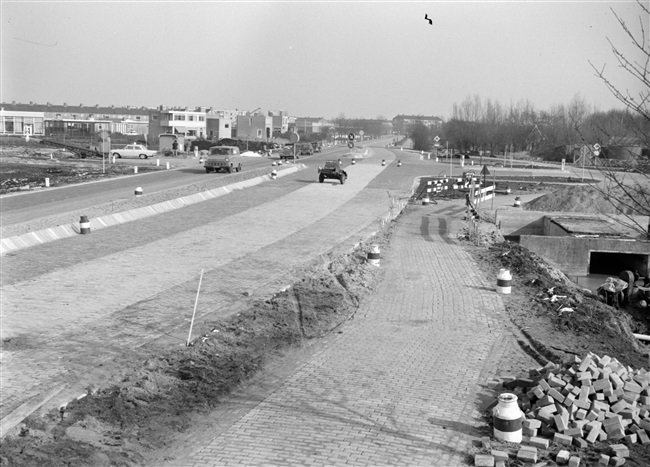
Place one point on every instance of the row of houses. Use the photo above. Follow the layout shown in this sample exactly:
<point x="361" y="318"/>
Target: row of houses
<point x="51" y="120"/>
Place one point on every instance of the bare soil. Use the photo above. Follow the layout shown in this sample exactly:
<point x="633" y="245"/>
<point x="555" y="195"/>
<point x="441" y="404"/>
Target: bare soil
<point x="161" y="396"/>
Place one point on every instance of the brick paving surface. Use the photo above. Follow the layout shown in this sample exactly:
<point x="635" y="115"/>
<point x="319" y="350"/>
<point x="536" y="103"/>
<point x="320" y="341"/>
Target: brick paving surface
<point x="79" y="305"/>
<point x="404" y="383"/>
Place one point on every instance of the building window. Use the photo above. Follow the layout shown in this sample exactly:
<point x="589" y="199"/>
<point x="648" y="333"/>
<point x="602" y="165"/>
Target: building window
<point x="137" y="117"/>
<point x="259" y="133"/>
<point x="227" y="125"/>
<point x="201" y="118"/>
<point x="154" y="117"/>
<point x="58" y="115"/>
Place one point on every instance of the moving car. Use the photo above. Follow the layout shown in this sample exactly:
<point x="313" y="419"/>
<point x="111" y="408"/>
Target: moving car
<point x="133" y="150"/>
<point x="226" y="158"/>
<point x="334" y="170"/>
<point x="305" y="148"/>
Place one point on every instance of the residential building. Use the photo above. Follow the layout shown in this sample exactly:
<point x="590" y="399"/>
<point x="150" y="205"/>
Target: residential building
<point x="280" y="121"/>
<point x="254" y="127"/>
<point x="305" y="126"/>
<point x="178" y="121"/>
<point x="51" y="120"/>
<point x="218" y="125"/>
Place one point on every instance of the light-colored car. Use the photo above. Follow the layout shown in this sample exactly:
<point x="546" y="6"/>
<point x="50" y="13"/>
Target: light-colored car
<point x="226" y="158"/>
<point x="133" y="150"/>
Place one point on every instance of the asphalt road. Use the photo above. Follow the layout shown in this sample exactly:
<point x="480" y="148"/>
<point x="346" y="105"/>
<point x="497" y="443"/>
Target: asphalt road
<point x="25" y="206"/>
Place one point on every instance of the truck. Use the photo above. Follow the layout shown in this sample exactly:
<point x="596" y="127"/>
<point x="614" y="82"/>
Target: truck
<point x="332" y="169"/>
<point x="226" y="158"/>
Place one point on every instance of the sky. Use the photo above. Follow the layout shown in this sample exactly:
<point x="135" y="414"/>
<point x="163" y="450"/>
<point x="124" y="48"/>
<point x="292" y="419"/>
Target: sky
<point x="314" y="58"/>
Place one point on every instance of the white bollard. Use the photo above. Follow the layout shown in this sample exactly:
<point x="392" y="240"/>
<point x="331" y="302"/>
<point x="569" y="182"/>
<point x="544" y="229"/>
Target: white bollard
<point x="157" y="162"/>
<point x="138" y="191"/>
<point x="167" y="165"/>
<point x="274" y="174"/>
<point x="425" y="201"/>
<point x="508" y="419"/>
<point x="113" y="159"/>
<point x="135" y="169"/>
<point x="504" y="280"/>
<point x="196" y="151"/>
<point x="374" y="255"/>
<point x="517" y="202"/>
<point x="47" y="182"/>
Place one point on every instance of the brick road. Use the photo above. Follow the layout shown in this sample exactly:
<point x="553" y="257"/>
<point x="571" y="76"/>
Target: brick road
<point x="404" y="383"/>
<point x="85" y="303"/>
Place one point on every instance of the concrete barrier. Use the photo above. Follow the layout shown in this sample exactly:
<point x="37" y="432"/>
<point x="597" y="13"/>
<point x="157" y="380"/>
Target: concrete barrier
<point x="19" y="242"/>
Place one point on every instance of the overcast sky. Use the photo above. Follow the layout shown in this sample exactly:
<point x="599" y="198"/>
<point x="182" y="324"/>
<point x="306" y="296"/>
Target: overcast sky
<point x="361" y="59"/>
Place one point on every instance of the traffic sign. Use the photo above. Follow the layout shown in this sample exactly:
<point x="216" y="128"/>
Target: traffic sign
<point x="485" y="170"/>
<point x="351" y="136"/>
<point x="361" y="133"/>
<point x="596" y="146"/>
<point x="436" y="139"/>
<point x="350" y="144"/>
<point x="294" y="137"/>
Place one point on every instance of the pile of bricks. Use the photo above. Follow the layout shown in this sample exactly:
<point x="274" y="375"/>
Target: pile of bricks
<point x="595" y="399"/>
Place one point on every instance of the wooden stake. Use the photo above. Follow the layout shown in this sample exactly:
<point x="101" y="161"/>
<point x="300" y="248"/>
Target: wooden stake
<point x="196" y="302"/>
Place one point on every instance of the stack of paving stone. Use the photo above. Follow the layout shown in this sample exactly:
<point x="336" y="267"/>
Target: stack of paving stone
<point x="595" y="399"/>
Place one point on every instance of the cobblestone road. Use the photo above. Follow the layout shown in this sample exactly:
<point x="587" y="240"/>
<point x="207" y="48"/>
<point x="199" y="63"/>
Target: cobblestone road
<point x="404" y="384"/>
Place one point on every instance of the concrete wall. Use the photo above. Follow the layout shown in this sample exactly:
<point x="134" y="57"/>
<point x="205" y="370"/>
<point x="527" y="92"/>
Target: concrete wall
<point x="571" y="255"/>
<point x="516" y="221"/>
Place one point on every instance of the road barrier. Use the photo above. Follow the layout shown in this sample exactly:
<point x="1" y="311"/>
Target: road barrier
<point x="84" y="225"/>
<point x="138" y="191"/>
<point x="374" y="255"/>
<point x="517" y="202"/>
<point x="508" y="419"/>
<point x="274" y="174"/>
<point x="504" y="280"/>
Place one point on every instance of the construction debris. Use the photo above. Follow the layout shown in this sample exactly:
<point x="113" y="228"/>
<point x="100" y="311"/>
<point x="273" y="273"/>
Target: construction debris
<point x="581" y="403"/>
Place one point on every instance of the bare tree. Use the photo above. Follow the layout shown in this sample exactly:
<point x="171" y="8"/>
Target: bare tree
<point x="627" y="172"/>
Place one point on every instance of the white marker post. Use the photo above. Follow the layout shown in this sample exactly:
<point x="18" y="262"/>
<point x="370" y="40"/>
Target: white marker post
<point x="196" y="302"/>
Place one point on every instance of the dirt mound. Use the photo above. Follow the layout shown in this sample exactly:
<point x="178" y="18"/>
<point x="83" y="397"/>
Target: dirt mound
<point x="584" y="199"/>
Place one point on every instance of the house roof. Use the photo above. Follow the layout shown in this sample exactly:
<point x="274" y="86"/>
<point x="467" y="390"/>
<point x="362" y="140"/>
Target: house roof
<point x="33" y="107"/>
<point x="417" y="117"/>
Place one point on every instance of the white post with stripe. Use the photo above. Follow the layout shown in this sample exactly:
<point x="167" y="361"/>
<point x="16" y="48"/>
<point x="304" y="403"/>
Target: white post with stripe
<point x="508" y="419"/>
<point x="504" y="280"/>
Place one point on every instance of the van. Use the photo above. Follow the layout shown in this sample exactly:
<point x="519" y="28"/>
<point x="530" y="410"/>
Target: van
<point x="226" y="158"/>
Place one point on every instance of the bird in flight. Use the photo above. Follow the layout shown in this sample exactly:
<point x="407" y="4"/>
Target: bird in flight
<point x="426" y="16"/>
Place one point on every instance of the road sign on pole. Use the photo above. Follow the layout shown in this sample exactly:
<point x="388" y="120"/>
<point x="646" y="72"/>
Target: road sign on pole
<point x="351" y="136"/>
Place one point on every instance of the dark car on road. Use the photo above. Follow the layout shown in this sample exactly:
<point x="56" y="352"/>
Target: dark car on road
<point x="332" y="169"/>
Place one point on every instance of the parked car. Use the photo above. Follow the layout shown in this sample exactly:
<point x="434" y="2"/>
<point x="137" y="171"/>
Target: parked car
<point x="133" y="150"/>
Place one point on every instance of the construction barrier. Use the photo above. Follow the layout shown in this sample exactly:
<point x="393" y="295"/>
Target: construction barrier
<point x="138" y="191"/>
<point x="508" y="419"/>
<point x="425" y="201"/>
<point x="504" y="280"/>
<point x="374" y="255"/>
<point x="84" y="225"/>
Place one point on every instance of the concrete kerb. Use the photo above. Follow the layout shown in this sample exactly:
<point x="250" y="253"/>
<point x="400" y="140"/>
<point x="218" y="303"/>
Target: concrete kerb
<point x="19" y="242"/>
